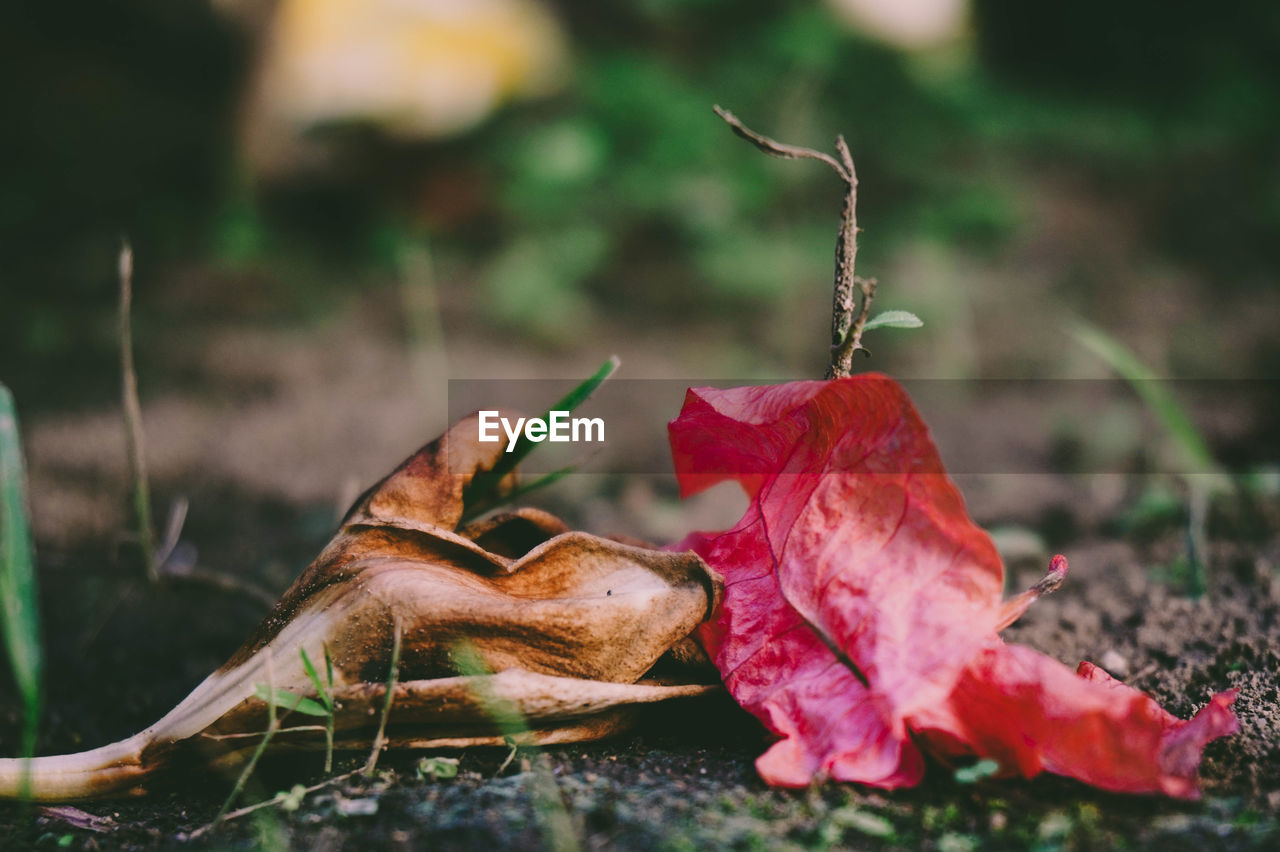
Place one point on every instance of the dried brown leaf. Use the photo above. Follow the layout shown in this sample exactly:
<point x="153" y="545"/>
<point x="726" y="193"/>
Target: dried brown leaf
<point x="570" y="624"/>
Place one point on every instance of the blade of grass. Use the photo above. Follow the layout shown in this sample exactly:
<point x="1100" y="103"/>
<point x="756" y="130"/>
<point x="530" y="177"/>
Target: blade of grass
<point x="134" y="435"/>
<point x="326" y="695"/>
<point x="18" y="597"/>
<point x="1198" y="499"/>
<point x="273" y="725"/>
<point x="503" y="713"/>
<point x="315" y="680"/>
<point x="1152" y="391"/>
<point x="548" y="803"/>
<point x="290" y="701"/>
<point x="274" y="801"/>
<point x="153" y="557"/>
<point x="480" y="493"/>
<point x="1205" y="478"/>
<point x="522" y="490"/>
<point x="424" y="331"/>
<point x="393" y="675"/>
<point x="328" y="667"/>
<point x="328" y="731"/>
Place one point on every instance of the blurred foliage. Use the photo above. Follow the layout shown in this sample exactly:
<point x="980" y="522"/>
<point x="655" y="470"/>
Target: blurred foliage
<point x="19" y="598"/>
<point x="622" y="196"/>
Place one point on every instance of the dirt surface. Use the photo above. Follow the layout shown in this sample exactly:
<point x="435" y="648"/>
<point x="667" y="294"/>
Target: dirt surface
<point x="280" y="430"/>
<point x="685" y="779"/>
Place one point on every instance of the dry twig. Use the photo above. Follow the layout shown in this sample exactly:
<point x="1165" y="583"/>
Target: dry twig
<point x="846" y="328"/>
<point x="393" y="675"/>
<point x="155" y="559"/>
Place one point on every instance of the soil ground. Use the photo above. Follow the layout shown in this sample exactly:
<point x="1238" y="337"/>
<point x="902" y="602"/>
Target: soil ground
<point x="282" y="428"/>
<point x="685" y="779"/>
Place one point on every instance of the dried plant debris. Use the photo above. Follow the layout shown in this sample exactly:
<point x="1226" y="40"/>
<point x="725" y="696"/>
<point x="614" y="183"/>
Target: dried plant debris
<point x="571" y="631"/>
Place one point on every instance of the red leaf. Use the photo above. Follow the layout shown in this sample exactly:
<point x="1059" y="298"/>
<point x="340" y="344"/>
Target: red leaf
<point x="1031" y="713"/>
<point x="862" y="605"/>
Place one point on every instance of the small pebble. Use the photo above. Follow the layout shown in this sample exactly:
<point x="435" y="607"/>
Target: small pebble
<point x="1117" y="665"/>
<point x="357" y="807"/>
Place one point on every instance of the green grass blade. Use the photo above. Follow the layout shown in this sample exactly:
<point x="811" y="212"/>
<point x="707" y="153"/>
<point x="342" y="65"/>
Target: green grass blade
<point x="504" y="715"/>
<point x="315" y="680"/>
<point x="289" y="701"/>
<point x="135" y="437"/>
<point x="1204" y="478"/>
<point x="539" y="483"/>
<point x="393" y="677"/>
<point x="579" y="395"/>
<point x="1153" y="393"/>
<point x="19" y="611"/>
<point x="328" y="724"/>
<point x="553" y="818"/>
<point x="480" y="493"/>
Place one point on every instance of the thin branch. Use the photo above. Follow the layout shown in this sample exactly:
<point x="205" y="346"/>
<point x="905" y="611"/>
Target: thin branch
<point x="133" y="418"/>
<point x="846" y="328"/>
<point x="223" y="583"/>
<point x="274" y="800"/>
<point x="852" y="342"/>
<point x="273" y="725"/>
<point x="510" y="756"/>
<point x="155" y="559"/>
<point x="775" y="148"/>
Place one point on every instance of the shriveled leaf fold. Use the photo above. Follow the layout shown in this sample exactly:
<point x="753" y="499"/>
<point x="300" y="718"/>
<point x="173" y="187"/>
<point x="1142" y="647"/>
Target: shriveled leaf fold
<point x="862" y="607"/>
<point x="572" y="626"/>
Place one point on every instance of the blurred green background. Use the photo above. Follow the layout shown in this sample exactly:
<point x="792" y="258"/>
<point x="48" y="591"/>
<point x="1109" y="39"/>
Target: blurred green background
<point x="1041" y="159"/>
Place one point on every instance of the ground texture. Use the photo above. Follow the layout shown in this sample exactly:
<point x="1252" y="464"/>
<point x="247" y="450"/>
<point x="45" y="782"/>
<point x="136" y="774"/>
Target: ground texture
<point x="280" y="431"/>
